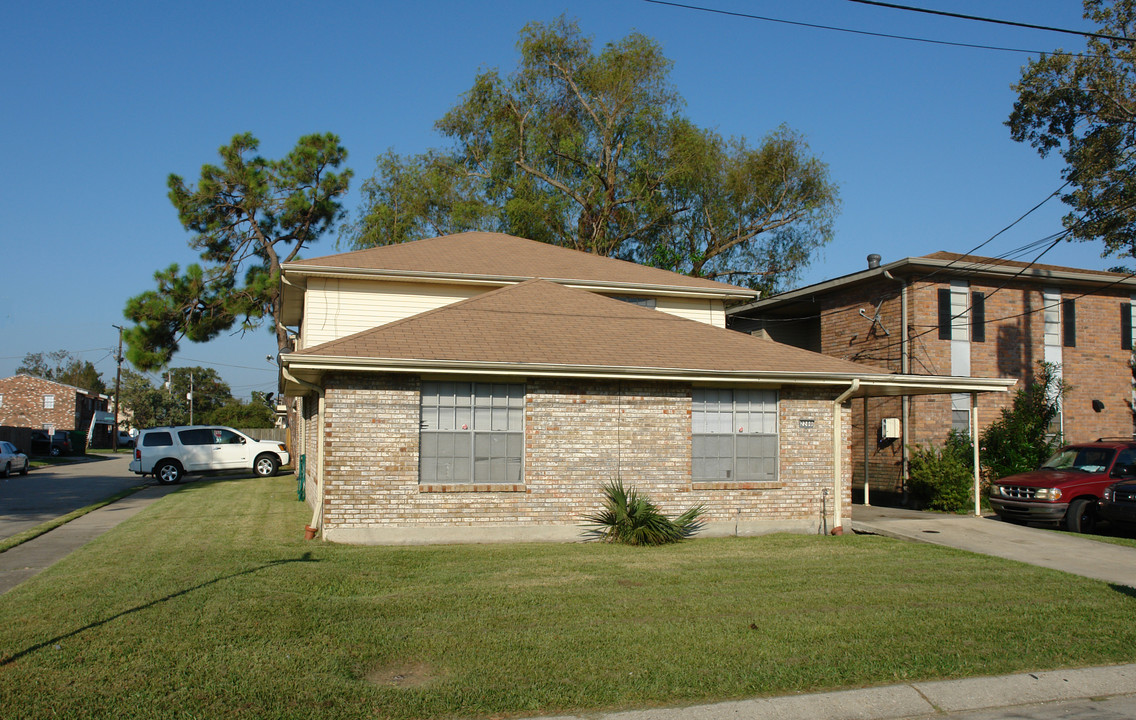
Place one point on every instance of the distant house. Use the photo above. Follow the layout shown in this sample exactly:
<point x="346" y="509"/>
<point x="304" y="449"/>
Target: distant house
<point x="482" y="387"/>
<point x="947" y="314"/>
<point x="27" y="401"/>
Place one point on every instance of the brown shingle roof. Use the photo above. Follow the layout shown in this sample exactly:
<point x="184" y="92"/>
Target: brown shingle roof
<point x="486" y="254"/>
<point x="967" y="262"/>
<point x="542" y="323"/>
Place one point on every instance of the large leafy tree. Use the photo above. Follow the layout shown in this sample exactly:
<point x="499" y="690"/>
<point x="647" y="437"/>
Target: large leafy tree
<point x="1084" y="106"/>
<point x="590" y="150"/>
<point x="146" y="405"/>
<point x="61" y="366"/>
<point x="168" y="402"/>
<point x="247" y="215"/>
<point x="256" y="413"/>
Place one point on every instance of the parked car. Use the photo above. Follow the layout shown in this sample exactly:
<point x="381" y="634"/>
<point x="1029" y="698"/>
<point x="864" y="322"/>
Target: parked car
<point x="1118" y="504"/>
<point x="169" y="453"/>
<point x="1067" y="487"/>
<point x="125" y="439"/>
<point x="59" y="443"/>
<point x="11" y="458"/>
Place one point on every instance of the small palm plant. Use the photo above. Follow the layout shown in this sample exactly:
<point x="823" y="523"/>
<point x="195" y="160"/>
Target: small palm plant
<point x="630" y="518"/>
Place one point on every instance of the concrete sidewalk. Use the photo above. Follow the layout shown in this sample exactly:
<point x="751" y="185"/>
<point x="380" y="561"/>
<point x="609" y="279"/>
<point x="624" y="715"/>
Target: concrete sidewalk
<point x="25" y="560"/>
<point x="1063" y="551"/>
<point x="1099" y="693"/>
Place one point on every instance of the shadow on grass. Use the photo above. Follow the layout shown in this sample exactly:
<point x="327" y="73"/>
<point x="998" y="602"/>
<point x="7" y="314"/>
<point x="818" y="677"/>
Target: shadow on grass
<point x="305" y="558"/>
<point x="1124" y="590"/>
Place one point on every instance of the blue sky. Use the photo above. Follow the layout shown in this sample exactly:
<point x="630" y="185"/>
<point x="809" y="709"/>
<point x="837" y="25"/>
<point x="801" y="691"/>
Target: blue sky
<point x="103" y="100"/>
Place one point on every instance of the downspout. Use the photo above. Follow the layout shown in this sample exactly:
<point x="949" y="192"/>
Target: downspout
<point x="904" y="368"/>
<point x="837" y="464"/>
<point x="317" y="515"/>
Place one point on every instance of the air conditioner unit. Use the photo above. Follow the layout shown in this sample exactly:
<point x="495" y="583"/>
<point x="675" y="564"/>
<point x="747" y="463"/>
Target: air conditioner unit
<point x="890" y="429"/>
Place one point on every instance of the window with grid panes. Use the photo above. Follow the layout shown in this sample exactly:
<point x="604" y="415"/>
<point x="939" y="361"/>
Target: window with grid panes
<point x="472" y="432"/>
<point x="734" y="435"/>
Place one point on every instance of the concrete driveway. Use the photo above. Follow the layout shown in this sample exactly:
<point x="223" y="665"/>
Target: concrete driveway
<point x="48" y="492"/>
<point x="988" y="535"/>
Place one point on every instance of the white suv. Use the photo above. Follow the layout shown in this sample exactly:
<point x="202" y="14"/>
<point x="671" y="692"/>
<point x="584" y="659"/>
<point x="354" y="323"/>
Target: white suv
<point x="168" y="453"/>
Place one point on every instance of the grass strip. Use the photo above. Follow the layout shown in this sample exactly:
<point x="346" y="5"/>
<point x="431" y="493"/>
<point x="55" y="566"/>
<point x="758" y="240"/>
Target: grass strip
<point x="210" y="604"/>
<point x="32" y="533"/>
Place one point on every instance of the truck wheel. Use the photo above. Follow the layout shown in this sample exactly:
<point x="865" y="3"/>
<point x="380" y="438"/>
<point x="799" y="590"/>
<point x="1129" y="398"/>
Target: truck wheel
<point x="55" y="452"/>
<point x="168" y="472"/>
<point x="265" y="466"/>
<point x="1081" y="517"/>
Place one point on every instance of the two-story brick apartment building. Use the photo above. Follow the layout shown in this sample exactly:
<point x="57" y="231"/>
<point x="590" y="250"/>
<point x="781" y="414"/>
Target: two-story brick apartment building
<point x="27" y="401"/>
<point x="946" y="314"/>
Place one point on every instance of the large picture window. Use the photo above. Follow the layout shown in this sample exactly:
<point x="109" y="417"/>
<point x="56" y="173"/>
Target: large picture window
<point x="472" y="432"/>
<point x="734" y="435"/>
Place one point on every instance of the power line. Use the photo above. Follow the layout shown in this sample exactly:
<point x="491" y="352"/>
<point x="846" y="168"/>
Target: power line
<point x="218" y="364"/>
<point x="1021" y="250"/>
<point x="834" y="28"/>
<point x="977" y="18"/>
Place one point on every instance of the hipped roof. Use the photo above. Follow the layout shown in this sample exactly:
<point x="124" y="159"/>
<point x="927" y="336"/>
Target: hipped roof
<point x="544" y="328"/>
<point x="506" y="259"/>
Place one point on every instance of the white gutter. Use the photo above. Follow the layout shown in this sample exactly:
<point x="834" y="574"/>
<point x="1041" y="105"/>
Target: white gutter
<point x="837" y="464"/>
<point x="317" y="514"/>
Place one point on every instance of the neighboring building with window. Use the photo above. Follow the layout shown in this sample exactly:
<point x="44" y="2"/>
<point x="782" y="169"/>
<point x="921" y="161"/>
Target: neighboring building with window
<point x="32" y="402"/>
<point x="482" y="387"/>
<point x="945" y="314"/>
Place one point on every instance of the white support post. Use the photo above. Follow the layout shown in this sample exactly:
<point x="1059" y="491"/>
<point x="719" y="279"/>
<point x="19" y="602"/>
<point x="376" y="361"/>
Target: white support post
<point x="974" y="443"/>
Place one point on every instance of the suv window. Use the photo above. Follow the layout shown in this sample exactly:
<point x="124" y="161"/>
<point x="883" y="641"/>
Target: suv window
<point x="227" y="437"/>
<point x="196" y="436"/>
<point x="1125" y="463"/>
<point x="157" y="439"/>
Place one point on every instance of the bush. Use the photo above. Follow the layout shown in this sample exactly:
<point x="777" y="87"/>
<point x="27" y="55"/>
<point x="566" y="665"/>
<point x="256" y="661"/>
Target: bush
<point x="1020" y="440"/>
<point x="943" y="479"/>
<point x="632" y="519"/>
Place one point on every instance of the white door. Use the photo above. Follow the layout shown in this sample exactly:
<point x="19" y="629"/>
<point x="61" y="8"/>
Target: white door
<point x="230" y="450"/>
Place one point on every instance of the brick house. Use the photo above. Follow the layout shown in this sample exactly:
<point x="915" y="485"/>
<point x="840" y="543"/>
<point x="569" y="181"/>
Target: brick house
<point x="481" y="387"/>
<point x="27" y="401"/>
<point x="947" y="314"/>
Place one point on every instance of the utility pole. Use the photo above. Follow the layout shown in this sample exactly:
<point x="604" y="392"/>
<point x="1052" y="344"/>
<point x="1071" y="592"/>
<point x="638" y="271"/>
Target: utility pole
<point x="190" y="398"/>
<point x="117" y="389"/>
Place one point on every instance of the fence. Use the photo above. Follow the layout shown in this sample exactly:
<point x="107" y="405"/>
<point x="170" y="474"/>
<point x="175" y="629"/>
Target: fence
<point x="274" y="433"/>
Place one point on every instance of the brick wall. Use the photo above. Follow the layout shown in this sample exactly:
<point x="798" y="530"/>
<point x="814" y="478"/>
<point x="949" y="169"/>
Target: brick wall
<point x="1096" y="369"/>
<point x="23" y="400"/>
<point x="578" y="436"/>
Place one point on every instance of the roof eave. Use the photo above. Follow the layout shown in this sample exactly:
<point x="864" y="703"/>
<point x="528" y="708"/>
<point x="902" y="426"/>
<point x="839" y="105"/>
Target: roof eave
<point x="296" y="274"/>
<point x="910" y="264"/>
<point x="871" y="384"/>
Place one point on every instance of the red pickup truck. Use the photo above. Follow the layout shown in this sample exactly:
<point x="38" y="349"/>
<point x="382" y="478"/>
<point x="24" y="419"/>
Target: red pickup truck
<point x="1067" y="487"/>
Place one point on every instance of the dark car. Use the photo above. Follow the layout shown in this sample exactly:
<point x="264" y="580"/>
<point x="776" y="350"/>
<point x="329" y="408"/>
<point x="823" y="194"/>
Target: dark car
<point x="1118" y="504"/>
<point x="1067" y="487"/>
<point x="58" y="444"/>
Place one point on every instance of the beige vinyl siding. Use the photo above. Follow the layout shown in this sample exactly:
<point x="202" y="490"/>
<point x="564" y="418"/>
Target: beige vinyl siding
<point x="336" y="308"/>
<point x="711" y="312"/>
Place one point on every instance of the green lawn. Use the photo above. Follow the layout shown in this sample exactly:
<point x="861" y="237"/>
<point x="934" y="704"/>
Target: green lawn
<point x="210" y="605"/>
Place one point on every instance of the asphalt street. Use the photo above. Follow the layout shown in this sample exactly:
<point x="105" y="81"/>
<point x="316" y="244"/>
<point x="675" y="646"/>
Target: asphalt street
<point x="48" y="492"/>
